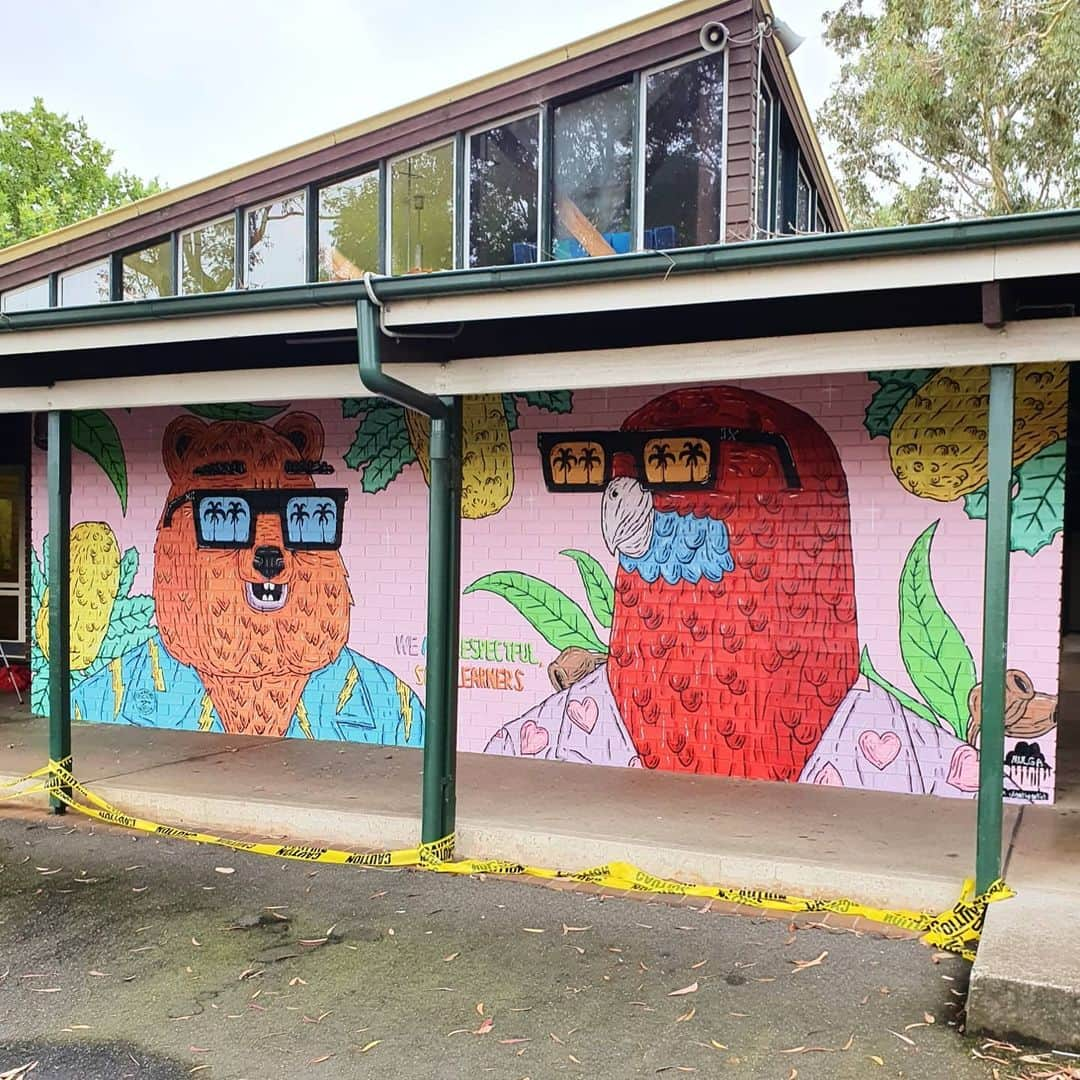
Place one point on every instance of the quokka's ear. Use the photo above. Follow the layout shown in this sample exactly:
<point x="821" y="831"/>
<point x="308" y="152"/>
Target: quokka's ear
<point x="305" y="432"/>
<point x="176" y="442"/>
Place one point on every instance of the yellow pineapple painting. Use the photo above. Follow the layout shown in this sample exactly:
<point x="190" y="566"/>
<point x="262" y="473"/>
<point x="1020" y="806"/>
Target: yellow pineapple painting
<point x="389" y="437"/>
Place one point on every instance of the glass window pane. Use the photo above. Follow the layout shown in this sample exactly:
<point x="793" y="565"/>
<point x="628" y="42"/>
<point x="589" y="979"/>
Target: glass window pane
<point x="11" y="503"/>
<point x="349" y="228"/>
<point x="208" y="257"/>
<point x="819" y="222"/>
<point x="503" y="177"/>
<point x="764" y="161"/>
<point x="422" y="211"/>
<point x="684" y="153"/>
<point x="86" y="285"/>
<point x="148" y="273"/>
<point x="781" y="225"/>
<point x="277" y="243"/>
<point x="26" y="297"/>
<point x="592" y="155"/>
<point x="802" y="204"/>
<point x="10" y="630"/>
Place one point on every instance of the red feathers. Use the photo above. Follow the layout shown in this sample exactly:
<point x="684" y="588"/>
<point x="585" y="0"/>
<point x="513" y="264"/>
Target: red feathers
<point x="740" y="677"/>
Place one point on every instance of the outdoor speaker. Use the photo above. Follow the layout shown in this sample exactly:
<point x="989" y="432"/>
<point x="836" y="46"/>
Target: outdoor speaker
<point x="713" y="37"/>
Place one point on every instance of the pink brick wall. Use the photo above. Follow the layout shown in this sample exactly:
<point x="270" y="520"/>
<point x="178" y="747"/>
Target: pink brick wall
<point x="871" y="741"/>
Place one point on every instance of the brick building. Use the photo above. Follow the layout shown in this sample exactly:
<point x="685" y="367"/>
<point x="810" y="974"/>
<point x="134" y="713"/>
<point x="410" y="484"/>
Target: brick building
<point x="725" y="469"/>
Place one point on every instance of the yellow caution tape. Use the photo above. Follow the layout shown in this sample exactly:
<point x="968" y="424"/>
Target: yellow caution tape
<point x="956" y="930"/>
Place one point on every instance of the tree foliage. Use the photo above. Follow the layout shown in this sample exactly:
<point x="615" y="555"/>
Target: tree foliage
<point x="955" y="108"/>
<point x="53" y="172"/>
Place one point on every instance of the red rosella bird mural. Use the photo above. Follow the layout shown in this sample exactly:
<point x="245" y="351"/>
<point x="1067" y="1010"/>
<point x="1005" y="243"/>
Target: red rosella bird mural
<point x="734" y="633"/>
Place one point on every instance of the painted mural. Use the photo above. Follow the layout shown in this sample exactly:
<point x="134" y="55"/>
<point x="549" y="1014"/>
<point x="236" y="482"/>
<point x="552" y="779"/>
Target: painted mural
<point x="777" y="581"/>
<point x="251" y="599"/>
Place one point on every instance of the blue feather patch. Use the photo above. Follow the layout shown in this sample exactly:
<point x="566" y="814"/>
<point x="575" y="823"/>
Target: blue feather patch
<point x="684" y="548"/>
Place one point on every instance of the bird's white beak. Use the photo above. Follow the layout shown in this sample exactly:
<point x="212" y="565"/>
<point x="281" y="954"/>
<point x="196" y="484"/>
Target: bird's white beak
<point x="627" y="517"/>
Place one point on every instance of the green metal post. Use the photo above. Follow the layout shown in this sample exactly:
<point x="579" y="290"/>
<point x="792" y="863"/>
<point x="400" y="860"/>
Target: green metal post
<point x="444" y="574"/>
<point x="453" y="626"/>
<point x="59" y="472"/>
<point x="995" y="625"/>
<point x="440" y="661"/>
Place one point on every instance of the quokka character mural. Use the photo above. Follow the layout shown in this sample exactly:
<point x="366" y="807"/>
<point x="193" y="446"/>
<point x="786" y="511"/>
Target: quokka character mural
<point x="251" y="599"/>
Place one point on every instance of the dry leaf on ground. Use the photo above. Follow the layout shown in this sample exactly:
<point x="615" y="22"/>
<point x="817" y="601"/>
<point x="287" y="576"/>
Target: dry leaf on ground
<point x="802" y="965"/>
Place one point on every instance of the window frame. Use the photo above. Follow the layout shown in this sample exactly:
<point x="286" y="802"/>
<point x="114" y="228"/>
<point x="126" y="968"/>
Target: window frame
<point x="381" y="173"/>
<point x="26" y="287"/>
<point x="106" y="261"/>
<point x="637" y="193"/>
<point x="764" y="230"/>
<point x="802" y="176"/>
<point x="448" y="142"/>
<point x="181" y="233"/>
<point x="631" y="79"/>
<point x="167" y="240"/>
<point x="466" y="186"/>
<point x="303" y="193"/>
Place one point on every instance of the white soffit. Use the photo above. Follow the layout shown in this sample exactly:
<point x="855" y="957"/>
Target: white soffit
<point x="1034" y="341"/>
<point x="748" y="283"/>
<point x="187" y="328"/>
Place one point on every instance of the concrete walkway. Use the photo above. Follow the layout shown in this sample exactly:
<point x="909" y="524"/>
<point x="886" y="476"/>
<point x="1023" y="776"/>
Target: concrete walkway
<point x="886" y="850"/>
<point x="893" y="850"/>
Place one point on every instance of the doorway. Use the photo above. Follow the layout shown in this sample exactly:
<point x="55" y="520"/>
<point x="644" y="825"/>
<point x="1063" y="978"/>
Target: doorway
<point x="14" y="528"/>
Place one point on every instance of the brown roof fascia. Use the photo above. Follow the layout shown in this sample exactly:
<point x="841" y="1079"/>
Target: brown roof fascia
<point x="566" y="78"/>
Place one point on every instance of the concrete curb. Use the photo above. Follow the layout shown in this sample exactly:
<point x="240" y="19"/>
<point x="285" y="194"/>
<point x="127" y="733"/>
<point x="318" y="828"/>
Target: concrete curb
<point x="356" y="829"/>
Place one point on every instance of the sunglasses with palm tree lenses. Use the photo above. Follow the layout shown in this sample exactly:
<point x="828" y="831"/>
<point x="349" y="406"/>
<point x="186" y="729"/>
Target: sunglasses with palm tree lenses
<point x="311" y="519"/>
<point x="676" y="460"/>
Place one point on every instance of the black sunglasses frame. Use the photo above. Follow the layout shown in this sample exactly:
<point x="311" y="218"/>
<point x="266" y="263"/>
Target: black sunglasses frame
<point x="634" y="443"/>
<point x="261" y="501"/>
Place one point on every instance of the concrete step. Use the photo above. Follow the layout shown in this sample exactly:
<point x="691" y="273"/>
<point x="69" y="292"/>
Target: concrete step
<point x="1025" y="983"/>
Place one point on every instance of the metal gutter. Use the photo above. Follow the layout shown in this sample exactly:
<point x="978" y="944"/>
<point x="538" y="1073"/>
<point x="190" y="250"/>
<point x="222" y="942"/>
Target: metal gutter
<point x="444" y="572"/>
<point x="911" y="240"/>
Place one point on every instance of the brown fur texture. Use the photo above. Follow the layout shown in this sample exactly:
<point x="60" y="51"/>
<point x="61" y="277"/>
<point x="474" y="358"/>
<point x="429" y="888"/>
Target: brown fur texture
<point x="253" y="664"/>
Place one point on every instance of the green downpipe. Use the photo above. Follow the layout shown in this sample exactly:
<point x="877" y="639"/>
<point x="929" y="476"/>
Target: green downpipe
<point x="995" y="626"/>
<point x="59" y="474"/>
<point x="453" y="593"/>
<point x="444" y="574"/>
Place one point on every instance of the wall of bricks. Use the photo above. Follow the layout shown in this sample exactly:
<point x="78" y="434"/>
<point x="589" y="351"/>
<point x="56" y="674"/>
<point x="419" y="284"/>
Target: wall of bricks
<point x="885" y="733"/>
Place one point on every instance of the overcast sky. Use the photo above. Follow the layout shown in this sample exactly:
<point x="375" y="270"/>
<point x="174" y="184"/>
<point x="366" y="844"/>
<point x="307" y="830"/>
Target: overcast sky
<point x="180" y="91"/>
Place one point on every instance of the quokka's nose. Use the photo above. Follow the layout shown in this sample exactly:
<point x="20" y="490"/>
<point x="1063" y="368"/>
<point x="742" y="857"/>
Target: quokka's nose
<point x="268" y="561"/>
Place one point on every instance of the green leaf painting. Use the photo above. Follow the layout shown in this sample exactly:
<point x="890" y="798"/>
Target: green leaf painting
<point x="895" y="390"/>
<point x="353" y="406"/>
<point x="553" y="401"/>
<point x="129" y="567"/>
<point x="38" y="583"/>
<point x="238" y="410"/>
<point x="598" y="587"/>
<point x="866" y="667"/>
<point x="1038" y="501"/>
<point x="130" y="625"/>
<point x="95" y="434"/>
<point x="558" y="619"/>
<point x="381" y="448"/>
<point x="933" y="649"/>
<point x="510" y="407"/>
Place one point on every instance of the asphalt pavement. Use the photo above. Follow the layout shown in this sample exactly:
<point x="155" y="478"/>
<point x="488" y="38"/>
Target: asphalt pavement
<point x="128" y="956"/>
